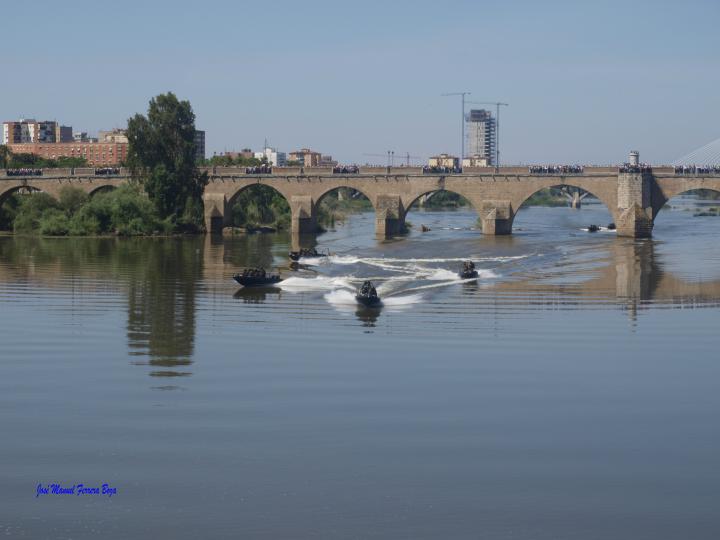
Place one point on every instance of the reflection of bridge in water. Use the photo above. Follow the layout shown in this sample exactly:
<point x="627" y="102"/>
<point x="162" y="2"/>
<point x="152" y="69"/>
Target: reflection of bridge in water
<point x="632" y="276"/>
<point x="632" y="198"/>
<point x="162" y="279"/>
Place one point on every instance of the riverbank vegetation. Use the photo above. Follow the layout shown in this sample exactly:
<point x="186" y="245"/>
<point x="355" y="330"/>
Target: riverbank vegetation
<point x="262" y="208"/>
<point x="164" y="197"/>
<point x="337" y="205"/>
<point x="161" y="157"/>
<point x="125" y="211"/>
<point x="547" y="197"/>
<point x="445" y="200"/>
<point x="712" y="211"/>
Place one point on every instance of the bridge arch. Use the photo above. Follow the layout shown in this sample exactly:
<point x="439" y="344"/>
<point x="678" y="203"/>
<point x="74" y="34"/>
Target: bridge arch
<point x="8" y="191"/>
<point x="669" y="189"/>
<point x="233" y="197"/>
<point x="606" y="194"/>
<point x="684" y="192"/>
<point x="335" y="188"/>
<point x="105" y="188"/>
<point x="326" y="217"/>
<point x="413" y="202"/>
<point x="233" y="194"/>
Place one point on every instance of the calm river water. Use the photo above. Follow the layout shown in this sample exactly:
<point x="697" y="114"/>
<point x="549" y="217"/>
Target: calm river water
<point x="572" y="392"/>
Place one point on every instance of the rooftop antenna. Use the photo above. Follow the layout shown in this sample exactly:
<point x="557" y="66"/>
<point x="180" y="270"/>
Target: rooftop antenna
<point x="462" y="121"/>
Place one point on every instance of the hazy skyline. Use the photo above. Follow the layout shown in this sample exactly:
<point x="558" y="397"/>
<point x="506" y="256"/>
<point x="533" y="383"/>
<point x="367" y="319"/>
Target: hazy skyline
<point x="585" y="83"/>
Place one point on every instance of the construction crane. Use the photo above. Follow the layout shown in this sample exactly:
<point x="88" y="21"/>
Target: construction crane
<point x="497" y="125"/>
<point x="462" y="120"/>
<point x="391" y="157"/>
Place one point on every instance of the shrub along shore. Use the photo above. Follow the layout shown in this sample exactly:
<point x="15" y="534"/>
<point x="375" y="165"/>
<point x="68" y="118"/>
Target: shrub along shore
<point x="125" y="211"/>
<point x="128" y="211"/>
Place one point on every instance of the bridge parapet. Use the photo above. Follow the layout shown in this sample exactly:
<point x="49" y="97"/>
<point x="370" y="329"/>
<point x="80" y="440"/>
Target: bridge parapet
<point x="374" y="170"/>
<point x="289" y="171"/>
<point x="633" y="198"/>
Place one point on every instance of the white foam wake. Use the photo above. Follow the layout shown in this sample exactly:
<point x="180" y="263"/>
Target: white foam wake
<point x="392" y="263"/>
<point x="319" y="283"/>
<point x="344" y="298"/>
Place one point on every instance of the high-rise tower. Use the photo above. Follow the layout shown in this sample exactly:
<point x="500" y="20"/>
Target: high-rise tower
<point x="481" y="129"/>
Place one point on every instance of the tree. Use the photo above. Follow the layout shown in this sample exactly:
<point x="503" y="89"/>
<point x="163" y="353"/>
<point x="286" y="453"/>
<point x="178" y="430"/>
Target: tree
<point x="5" y="156"/>
<point x="161" y="156"/>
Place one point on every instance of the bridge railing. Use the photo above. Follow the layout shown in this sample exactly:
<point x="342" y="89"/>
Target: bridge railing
<point x="64" y="172"/>
<point x="694" y="170"/>
<point x="710" y="170"/>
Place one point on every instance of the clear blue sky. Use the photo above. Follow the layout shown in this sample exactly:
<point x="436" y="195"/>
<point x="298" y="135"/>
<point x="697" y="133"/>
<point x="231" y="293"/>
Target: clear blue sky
<point x="586" y="81"/>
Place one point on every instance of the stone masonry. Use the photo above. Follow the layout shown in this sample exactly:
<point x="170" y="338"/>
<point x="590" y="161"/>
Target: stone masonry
<point x="633" y="199"/>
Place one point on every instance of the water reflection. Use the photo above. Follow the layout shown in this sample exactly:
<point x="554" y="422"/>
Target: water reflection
<point x="161" y="302"/>
<point x="256" y="295"/>
<point x="368" y="316"/>
<point x="159" y="279"/>
<point x="162" y="281"/>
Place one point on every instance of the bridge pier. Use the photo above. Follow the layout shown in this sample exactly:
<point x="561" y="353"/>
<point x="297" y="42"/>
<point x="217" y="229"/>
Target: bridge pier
<point x="303" y="215"/>
<point x="389" y="216"/>
<point x="575" y="199"/>
<point x="216" y="212"/>
<point x="635" y="217"/>
<point x="496" y="218"/>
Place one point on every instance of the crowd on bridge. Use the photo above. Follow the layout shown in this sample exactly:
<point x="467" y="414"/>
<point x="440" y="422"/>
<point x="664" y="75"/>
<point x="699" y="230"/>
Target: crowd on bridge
<point x="555" y="169"/>
<point x="427" y="169"/>
<point x="107" y="171"/>
<point x="694" y="169"/>
<point x="259" y="169"/>
<point x="346" y="169"/>
<point x="633" y="168"/>
<point x="24" y="172"/>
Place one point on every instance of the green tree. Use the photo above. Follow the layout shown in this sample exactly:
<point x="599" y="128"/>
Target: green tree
<point x="161" y="156"/>
<point x="66" y="162"/>
<point x="5" y="156"/>
<point x="25" y="160"/>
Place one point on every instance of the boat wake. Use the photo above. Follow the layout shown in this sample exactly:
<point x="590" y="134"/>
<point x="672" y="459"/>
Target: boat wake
<point x="319" y="283"/>
<point x="389" y="262"/>
<point x="395" y="287"/>
<point x="601" y="229"/>
<point x="343" y="298"/>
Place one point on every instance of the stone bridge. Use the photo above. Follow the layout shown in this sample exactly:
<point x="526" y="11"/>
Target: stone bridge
<point x="632" y="198"/>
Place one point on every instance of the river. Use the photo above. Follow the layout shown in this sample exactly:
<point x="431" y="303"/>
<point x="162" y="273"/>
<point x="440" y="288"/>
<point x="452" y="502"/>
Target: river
<point x="571" y="392"/>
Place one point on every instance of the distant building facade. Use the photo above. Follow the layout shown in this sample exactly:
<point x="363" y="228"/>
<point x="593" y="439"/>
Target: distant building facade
<point x="112" y="136"/>
<point x="444" y="160"/>
<point x="327" y="161"/>
<point x="63" y="134"/>
<point x="96" y="153"/>
<point x="82" y="137"/>
<point x="476" y="161"/>
<point x="306" y="157"/>
<point x="199" y="144"/>
<point x="25" y="131"/>
<point x="279" y="159"/>
<point x="245" y="153"/>
<point x="481" y="129"/>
